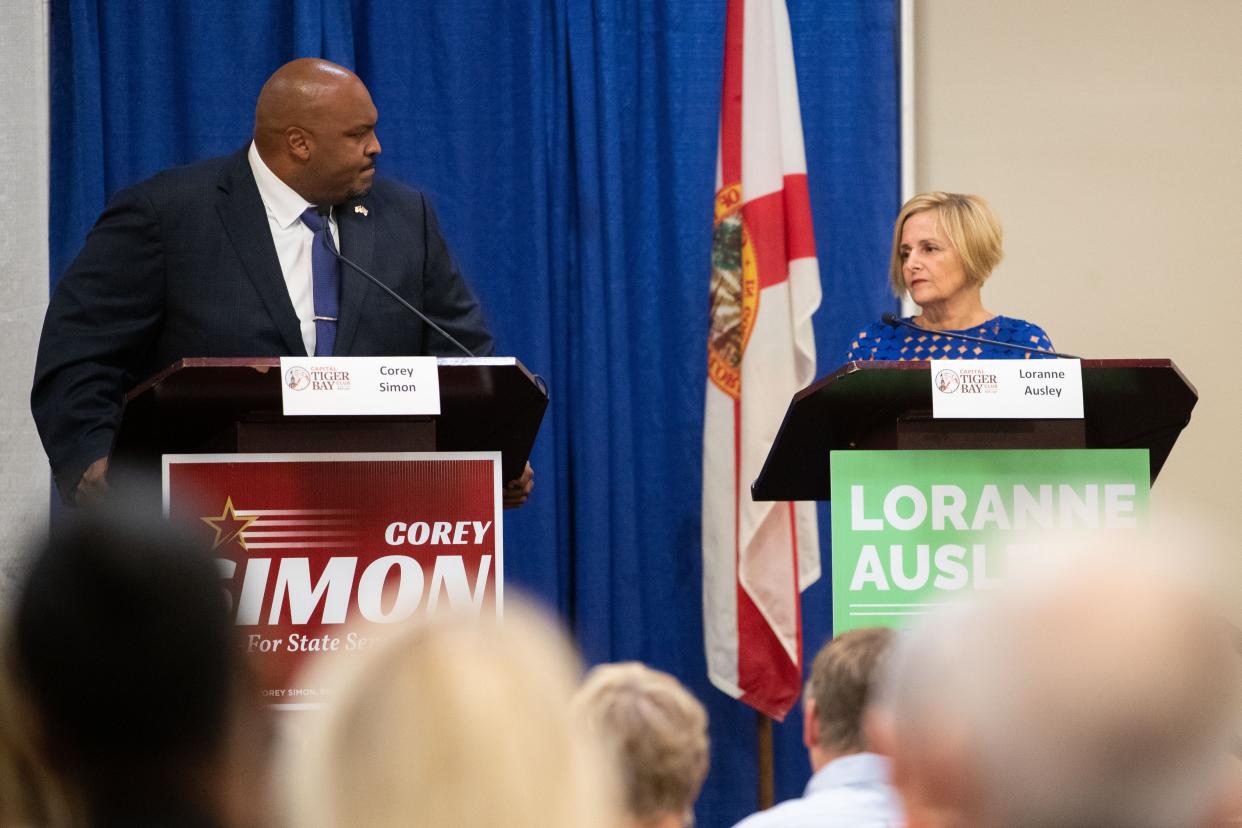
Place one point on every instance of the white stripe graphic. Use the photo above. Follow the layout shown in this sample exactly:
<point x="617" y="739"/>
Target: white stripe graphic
<point x="250" y="512"/>
<point x="301" y="545"/>
<point x="310" y="533"/>
<point x="325" y="522"/>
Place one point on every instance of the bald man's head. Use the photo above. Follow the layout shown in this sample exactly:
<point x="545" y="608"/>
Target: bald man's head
<point x="314" y="127"/>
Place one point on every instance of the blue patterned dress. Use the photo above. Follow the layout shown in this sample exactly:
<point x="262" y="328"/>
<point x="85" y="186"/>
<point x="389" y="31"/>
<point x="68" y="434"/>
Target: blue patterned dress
<point x="887" y="342"/>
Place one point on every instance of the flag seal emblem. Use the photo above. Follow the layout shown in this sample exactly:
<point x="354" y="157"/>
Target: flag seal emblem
<point x="734" y="292"/>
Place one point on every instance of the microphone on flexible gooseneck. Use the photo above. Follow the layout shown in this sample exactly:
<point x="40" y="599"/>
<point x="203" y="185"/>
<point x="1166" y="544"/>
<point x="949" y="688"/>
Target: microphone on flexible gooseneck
<point x="898" y="322"/>
<point x="325" y="210"/>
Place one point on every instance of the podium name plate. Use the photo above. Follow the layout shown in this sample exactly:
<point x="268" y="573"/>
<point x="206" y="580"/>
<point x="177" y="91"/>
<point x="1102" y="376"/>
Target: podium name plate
<point x="359" y="385"/>
<point x="1043" y="389"/>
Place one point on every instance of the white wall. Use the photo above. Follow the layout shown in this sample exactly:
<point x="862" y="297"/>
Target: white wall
<point x="1107" y="135"/>
<point x="24" y="476"/>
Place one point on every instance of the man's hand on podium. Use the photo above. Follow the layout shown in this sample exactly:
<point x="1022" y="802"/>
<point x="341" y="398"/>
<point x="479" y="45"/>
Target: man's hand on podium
<point x="517" y="491"/>
<point x="93" y="486"/>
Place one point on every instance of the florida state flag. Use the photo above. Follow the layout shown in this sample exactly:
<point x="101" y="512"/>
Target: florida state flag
<point x="757" y="557"/>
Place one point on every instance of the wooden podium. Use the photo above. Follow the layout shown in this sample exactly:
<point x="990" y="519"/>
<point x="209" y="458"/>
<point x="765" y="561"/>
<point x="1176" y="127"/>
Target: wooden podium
<point x="1127" y="403"/>
<point x="208" y="405"/>
<point x="329" y="529"/>
<point x="925" y="511"/>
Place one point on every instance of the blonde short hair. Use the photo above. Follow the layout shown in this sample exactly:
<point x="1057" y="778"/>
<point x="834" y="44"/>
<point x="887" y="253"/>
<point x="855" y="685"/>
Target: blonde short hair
<point x="970" y="225"/>
<point x="454" y="720"/>
<point x="655" y="731"/>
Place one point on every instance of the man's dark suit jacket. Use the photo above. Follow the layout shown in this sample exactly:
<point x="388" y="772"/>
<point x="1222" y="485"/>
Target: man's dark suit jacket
<point x="183" y="265"/>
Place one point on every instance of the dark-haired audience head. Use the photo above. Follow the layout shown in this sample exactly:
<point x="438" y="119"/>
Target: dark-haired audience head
<point x="655" y="732"/>
<point x="30" y="792"/>
<point x="123" y="641"/>
<point x="839" y="693"/>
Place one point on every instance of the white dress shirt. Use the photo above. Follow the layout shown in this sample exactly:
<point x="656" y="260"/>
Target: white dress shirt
<point x="852" y="791"/>
<point x="293" y="241"/>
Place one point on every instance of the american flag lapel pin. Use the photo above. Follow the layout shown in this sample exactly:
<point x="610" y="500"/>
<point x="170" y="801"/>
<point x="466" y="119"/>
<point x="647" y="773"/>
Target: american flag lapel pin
<point x="360" y="210"/>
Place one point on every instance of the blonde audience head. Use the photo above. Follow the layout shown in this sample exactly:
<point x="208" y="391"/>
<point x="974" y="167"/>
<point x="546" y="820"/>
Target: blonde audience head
<point x="968" y="223"/>
<point x="656" y="734"/>
<point x="453" y="720"/>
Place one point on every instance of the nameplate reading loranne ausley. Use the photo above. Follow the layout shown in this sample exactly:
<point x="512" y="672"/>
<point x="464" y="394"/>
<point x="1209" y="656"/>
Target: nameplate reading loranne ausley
<point x="1034" y="389"/>
<point x="359" y="385"/>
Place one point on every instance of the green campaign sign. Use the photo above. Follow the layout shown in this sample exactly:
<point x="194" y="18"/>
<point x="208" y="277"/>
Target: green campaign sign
<point x="911" y="530"/>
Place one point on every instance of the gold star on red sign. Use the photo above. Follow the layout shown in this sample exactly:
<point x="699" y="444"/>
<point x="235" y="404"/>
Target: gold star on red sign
<point x="228" y="525"/>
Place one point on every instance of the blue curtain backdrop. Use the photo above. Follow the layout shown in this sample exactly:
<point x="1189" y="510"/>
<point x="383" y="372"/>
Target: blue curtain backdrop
<point x="570" y="148"/>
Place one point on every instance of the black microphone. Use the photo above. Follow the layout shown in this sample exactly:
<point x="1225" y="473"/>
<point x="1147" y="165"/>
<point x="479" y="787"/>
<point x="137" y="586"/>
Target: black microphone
<point x="325" y="211"/>
<point x="896" y="321"/>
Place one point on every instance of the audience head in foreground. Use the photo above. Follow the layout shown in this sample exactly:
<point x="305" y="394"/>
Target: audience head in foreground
<point x="655" y="732"/>
<point x="850" y="783"/>
<point x="453" y="720"/>
<point x="122" y="641"/>
<point x="1097" y="693"/>
<point x="30" y="793"/>
<point x="839" y="692"/>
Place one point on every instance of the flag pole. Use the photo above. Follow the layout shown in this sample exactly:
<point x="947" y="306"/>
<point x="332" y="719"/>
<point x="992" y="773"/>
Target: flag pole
<point x="757" y="557"/>
<point x="766" y="772"/>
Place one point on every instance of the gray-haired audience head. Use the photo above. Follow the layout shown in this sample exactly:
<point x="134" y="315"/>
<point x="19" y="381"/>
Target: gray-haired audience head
<point x="655" y="732"/>
<point x="1093" y="697"/>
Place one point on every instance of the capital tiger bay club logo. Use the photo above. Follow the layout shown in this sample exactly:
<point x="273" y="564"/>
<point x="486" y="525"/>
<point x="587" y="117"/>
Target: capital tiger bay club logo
<point x="947" y="380"/>
<point x="316" y="378"/>
<point x="734" y="292"/>
<point x="967" y="381"/>
<point x="298" y="378"/>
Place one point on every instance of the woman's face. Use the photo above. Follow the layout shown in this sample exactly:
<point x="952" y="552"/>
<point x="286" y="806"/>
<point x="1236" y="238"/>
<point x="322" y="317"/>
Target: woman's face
<point x="930" y="264"/>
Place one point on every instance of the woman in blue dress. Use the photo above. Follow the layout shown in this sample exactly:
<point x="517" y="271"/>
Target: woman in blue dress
<point x="945" y="246"/>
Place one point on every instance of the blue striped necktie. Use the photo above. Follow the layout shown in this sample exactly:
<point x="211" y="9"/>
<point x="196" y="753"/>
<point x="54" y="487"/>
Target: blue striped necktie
<point x="326" y="281"/>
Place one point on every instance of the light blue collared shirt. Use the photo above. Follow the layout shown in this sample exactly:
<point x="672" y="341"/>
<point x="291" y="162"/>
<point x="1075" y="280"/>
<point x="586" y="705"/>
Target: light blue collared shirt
<point x="851" y="791"/>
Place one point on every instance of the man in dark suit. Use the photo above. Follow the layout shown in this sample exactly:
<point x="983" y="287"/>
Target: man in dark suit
<point x="215" y="259"/>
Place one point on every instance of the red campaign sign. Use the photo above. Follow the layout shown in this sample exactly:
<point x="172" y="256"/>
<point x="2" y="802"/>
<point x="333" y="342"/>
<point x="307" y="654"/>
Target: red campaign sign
<point x="321" y="552"/>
